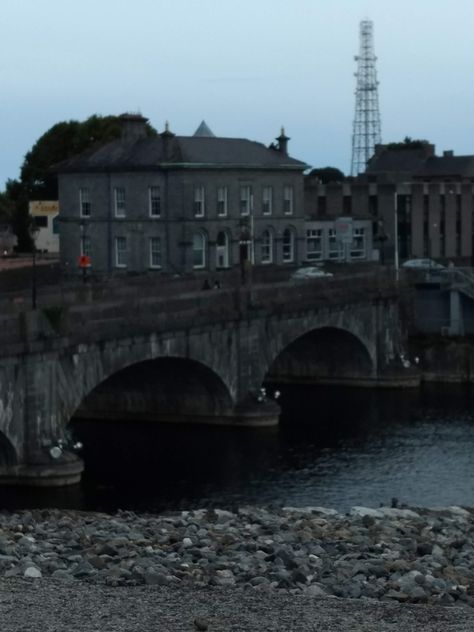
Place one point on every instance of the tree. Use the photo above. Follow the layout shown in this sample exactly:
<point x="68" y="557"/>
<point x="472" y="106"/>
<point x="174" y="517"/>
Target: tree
<point x="37" y="181"/>
<point x="328" y="174"/>
<point x="62" y="141"/>
<point x="408" y="143"/>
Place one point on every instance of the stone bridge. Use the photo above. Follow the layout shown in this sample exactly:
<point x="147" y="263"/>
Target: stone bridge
<point x="145" y="351"/>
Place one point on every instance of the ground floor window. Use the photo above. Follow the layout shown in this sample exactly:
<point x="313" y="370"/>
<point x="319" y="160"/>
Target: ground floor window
<point x="199" y="250"/>
<point x="121" y="252"/>
<point x="334" y="245"/>
<point x="155" y="252"/>
<point x="358" y="244"/>
<point x="267" y="247"/>
<point x="288" y="246"/>
<point x="314" y="244"/>
<point x="222" y="250"/>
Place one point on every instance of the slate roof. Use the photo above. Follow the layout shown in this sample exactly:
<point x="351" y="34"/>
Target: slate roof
<point x="417" y="164"/>
<point x="168" y="151"/>
<point x="447" y="166"/>
<point x="204" y="130"/>
<point x="396" y="160"/>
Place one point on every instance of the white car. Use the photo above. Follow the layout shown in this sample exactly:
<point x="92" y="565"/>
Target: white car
<point x="422" y="264"/>
<point x="310" y="273"/>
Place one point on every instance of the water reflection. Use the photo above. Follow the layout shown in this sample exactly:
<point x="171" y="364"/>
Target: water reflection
<point x="335" y="447"/>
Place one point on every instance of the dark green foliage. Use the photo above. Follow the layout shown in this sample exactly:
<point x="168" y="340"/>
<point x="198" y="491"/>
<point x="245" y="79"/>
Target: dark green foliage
<point x="37" y="181"/>
<point x="328" y="174"/>
<point x="408" y="143"/>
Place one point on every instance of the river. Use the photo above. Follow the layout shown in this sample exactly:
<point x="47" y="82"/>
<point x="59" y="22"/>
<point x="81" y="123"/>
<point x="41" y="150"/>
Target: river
<point x="335" y="447"/>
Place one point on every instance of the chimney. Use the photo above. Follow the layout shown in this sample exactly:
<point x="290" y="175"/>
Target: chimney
<point x="133" y="127"/>
<point x="448" y="153"/>
<point x="283" y="142"/>
<point x="167" y="136"/>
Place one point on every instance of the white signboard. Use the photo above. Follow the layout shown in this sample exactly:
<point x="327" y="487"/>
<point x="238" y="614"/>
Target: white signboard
<point x="343" y="227"/>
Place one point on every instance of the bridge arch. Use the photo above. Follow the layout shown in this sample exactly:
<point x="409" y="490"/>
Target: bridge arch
<point x="167" y="388"/>
<point x="8" y="454"/>
<point x="321" y="352"/>
<point x="84" y="372"/>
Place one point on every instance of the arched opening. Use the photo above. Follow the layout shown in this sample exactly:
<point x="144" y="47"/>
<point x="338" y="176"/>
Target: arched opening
<point x="199" y="250"/>
<point x="327" y="356"/>
<point x="165" y="389"/>
<point x="222" y="250"/>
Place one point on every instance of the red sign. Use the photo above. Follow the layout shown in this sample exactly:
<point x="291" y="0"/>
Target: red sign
<point x="84" y="261"/>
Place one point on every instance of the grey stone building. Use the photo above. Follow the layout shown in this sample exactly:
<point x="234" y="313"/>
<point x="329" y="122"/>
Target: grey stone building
<point x="429" y="197"/>
<point x="178" y="204"/>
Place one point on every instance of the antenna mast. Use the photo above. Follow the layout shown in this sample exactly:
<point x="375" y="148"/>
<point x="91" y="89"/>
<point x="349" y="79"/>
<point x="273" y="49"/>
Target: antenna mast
<point x="366" y="130"/>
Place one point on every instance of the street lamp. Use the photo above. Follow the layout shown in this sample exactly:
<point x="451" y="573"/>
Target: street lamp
<point x="33" y="230"/>
<point x="395" y="235"/>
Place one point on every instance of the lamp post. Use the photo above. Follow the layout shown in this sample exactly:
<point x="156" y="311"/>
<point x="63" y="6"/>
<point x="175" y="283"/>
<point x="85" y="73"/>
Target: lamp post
<point x="395" y="235"/>
<point x="33" y="230"/>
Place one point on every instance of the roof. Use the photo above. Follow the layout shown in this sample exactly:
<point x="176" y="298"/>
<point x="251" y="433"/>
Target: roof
<point x="204" y="130"/>
<point x="420" y="163"/>
<point x="396" y="160"/>
<point x="168" y="151"/>
<point x="447" y="166"/>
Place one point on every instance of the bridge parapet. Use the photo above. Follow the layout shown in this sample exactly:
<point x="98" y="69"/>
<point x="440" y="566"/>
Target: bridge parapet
<point x="97" y="314"/>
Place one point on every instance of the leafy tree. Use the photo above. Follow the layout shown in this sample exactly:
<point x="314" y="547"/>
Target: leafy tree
<point x="37" y="182"/>
<point x="62" y="141"/>
<point x="328" y="174"/>
<point x="408" y="143"/>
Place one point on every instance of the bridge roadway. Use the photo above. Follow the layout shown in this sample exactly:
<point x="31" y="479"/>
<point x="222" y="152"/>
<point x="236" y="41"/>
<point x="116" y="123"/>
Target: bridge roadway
<point x="198" y="356"/>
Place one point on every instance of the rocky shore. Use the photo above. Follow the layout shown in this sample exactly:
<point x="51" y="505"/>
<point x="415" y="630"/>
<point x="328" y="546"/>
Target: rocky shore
<point x="416" y="556"/>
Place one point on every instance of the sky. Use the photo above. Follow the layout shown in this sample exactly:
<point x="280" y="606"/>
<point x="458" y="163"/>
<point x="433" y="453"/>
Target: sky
<point x="245" y="67"/>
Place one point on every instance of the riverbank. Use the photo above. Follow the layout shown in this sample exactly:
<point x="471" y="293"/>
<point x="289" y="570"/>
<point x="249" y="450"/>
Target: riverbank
<point x="50" y="606"/>
<point x="418" y="556"/>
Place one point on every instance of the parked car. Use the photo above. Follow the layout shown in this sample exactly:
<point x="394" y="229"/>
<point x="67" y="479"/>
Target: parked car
<point x="310" y="273"/>
<point x="422" y="264"/>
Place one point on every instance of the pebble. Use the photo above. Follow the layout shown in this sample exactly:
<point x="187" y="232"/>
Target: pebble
<point x="407" y="555"/>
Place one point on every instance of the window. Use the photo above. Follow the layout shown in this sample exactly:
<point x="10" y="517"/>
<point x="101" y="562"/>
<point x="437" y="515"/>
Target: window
<point x="245" y="200"/>
<point x="267" y="200"/>
<point x="222" y="250"/>
<point x="267" y="247"/>
<point x="154" y="201"/>
<point x="41" y="221"/>
<point x="86" y="246"/>
<point x="155" y="252"/>
<point x="358" y="243"/>
<point x="222" y="201"/>
<point x="288" y="200"/>
<point x="199" y="250"/>
<point x="288" y="245"/>
<point x="314" y="244"/>
<point x="84" y="202"/>
<point x="119" y="194"/>
<point x="199" y="201"/>
<point x="121" y="252"/>
<point x="335" y="250"/>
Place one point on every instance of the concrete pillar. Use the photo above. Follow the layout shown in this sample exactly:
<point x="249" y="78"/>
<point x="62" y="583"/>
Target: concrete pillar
<point x="456" y="325"/>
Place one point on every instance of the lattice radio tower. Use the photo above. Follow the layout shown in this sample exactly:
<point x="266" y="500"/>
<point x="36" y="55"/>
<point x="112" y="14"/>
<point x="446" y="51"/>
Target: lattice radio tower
<point x="366" y="130"/>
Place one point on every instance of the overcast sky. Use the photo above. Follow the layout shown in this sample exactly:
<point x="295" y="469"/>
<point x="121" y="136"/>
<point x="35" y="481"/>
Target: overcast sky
<point x="246" y="67"/>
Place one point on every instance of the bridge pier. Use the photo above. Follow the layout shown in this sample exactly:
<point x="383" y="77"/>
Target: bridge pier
<point x="44" y="471"/>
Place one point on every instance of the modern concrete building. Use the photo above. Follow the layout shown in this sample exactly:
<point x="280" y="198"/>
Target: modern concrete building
<point x="178" y="204"/>
<point x="430" y="198"/>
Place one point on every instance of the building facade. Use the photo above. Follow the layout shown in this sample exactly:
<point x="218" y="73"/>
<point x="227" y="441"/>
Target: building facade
<point x="177" y="204"/>
<point x="45" y="216"/>
<point x="424" y="199"/>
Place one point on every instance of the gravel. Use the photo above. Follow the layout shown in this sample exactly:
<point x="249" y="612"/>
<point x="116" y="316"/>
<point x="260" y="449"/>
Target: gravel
<point x="255" y="568"/>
